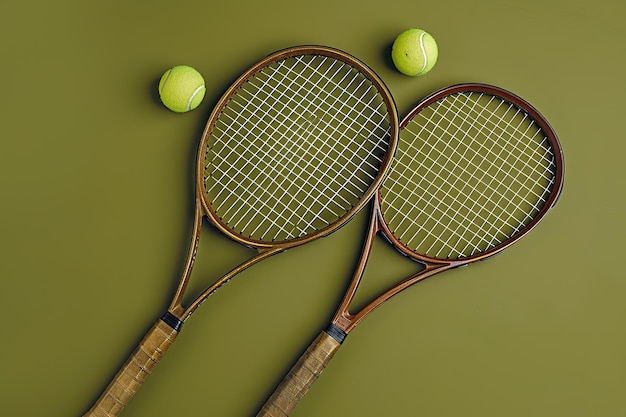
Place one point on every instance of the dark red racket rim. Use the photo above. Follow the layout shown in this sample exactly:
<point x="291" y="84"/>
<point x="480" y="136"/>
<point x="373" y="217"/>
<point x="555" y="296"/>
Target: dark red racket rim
<point x="553" y="197"/>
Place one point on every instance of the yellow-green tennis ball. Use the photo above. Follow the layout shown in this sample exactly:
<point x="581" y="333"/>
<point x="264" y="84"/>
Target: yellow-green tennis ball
<point x="181" y="88"/>
<point x="414" y="52"/>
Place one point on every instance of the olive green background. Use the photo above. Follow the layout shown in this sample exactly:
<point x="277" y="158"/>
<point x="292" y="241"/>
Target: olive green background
<point x="95" y="216"/>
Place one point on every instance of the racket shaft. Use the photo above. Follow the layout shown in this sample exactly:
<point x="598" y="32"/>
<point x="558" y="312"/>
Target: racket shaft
<point x="300" y="378"/>
<point x="134" y="372"/>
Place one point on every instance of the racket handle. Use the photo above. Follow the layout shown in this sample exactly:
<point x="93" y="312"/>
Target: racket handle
<point x="300" y="378"/>
<point x="134" y="372"/>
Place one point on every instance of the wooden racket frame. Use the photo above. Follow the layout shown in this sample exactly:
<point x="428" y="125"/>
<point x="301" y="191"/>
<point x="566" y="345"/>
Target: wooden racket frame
<point x="315" y="359"/>
<point x="163" y="333"/>
<point x="346" y="321"/>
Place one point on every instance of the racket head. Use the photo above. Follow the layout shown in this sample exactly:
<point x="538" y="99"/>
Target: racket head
<point x="296" y="147"/>
<point x="477" y="168"/>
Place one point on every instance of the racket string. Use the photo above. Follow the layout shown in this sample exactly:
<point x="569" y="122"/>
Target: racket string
<point x="505" y="169"/>
<point x="349" y="92"/>
<point x="243" y="130"/>
<point x="439" y="216"/>
<point x="415" y="181"/>
<point x="282" y="178"/>
<point x="493" y="189"/>
<point x="330" y="177"/>
<point x="282" y="153"/>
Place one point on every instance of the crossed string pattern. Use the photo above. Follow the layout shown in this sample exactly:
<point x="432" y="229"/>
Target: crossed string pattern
<point x="472" y="170"/>
<point x="295" y="148"/>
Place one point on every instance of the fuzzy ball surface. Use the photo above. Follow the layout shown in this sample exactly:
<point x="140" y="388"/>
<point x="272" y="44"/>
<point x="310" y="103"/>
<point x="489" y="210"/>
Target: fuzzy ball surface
<point x="181" y="88"/>
<point x="414" y="52"/>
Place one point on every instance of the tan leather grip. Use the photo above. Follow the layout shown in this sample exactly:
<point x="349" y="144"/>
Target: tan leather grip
<point x="134" y="372"/>
<point x="300" y="378"/>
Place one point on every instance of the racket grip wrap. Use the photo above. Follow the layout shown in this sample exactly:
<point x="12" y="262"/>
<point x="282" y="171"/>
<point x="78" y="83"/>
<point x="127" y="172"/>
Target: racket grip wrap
<point x="301" y="377"/>
<point x="135" y="371"/>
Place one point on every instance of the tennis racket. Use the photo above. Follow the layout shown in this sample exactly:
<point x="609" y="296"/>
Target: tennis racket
<point x="294" y="148"/>
<point x="476" y="169"/>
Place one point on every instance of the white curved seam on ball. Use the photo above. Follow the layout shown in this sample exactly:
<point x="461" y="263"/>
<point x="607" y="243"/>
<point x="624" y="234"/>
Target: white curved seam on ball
<point x="423" y="53"/>
<point x="192" y="96"/>
<point x="165" y="81"/>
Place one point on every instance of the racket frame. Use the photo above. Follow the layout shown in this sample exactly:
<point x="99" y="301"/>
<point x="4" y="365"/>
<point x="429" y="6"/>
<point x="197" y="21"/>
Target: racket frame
<point x="317" y="356"/>
<point x="343" y="320"/>
<point x="162" y="334"/>
<point x="266" y="249"/>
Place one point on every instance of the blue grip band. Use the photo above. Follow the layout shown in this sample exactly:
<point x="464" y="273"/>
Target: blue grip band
<point x="172" y="321"/>
<point x="336" y="333"/>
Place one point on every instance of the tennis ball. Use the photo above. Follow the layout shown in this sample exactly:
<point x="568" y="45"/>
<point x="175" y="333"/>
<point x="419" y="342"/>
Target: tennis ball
<point x="181" y="88"/>
<point x="414" y="52"/>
